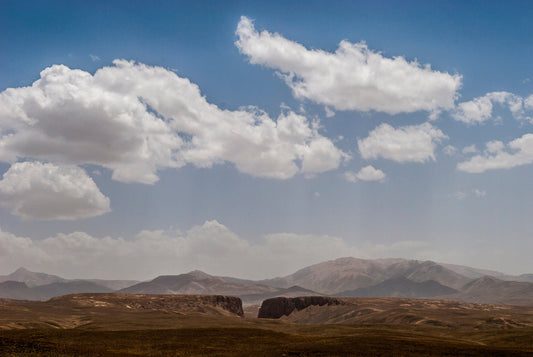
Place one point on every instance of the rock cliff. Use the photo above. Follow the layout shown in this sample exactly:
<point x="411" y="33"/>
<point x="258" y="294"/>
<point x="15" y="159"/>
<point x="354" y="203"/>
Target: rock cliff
<point x="277" y="307"/>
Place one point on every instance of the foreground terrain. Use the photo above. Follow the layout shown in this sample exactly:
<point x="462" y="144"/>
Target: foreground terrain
<point x="177" y="325"/>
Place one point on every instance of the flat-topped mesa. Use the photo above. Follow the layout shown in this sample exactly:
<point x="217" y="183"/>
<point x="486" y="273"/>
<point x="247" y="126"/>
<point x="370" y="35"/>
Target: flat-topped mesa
<point x="281" y="306"/>
<point x="181" y="303"/>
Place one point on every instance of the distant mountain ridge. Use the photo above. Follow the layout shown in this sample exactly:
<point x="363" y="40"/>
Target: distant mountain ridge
<point x="351" y="277"/>
<point x="491" y="290"/>
<point x="475" y="273"/>
<point x="21" y="291"/>
<point x="31" y="278"/>
<point x="344" y="274"/>
<point x="23" y="284"/>
<point x="403" y="288"/>
<point x="198" y="282"/>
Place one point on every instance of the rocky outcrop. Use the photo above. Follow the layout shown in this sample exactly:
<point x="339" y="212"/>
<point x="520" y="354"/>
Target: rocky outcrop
<point x="229" y="303"/>
<point x="120" y="311"/>
<point x="210" y="304"/>
<point x="277" y="307"/>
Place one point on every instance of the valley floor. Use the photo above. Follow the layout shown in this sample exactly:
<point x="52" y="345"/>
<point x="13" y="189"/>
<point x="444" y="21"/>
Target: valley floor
<point x="264" y="338"/>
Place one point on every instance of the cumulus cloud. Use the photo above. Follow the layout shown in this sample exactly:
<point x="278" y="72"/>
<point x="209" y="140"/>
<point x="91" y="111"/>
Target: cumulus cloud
<point x="528" y="102"/>
<point x="414" y="143"/>
<point x="367" y="173"/>
<point x="497" y="155"/>
<point x="329" y="113"/>
<point x="33" y="190"/>
<point x="136" y="119"/>
<point x="494" y="146"/>
<point x="353" y="77"/>
<point x="470" y="149"/>
<point x="449" y="150"/>
<point x="480" y="109"/>
<point x="350" y="176"/>
<point x="211" y="247"/>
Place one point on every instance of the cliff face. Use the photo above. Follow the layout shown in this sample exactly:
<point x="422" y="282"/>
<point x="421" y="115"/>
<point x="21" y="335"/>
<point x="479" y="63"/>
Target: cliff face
<point x="277" y="307"/>
<point x="214" y="304"/>
<point x="228" y="303"/>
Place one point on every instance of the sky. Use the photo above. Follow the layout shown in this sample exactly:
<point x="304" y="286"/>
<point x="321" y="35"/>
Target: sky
<point x="252" y="139"/>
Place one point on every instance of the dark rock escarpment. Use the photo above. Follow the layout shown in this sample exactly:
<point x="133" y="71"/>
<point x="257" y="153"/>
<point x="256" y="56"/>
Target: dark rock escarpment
<point x="277" y="307"/>
<point x="229" y="303"/>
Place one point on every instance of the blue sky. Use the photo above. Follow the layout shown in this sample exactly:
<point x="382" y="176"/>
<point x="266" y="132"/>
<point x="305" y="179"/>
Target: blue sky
<point x="136" y="165"/>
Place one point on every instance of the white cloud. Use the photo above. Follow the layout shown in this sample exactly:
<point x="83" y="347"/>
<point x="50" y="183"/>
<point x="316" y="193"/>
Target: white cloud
<point x="494" y="146"/>
<point x="475" y="111"/>
<point x="475" y="192"/>
<point x="211" y="247"/>
<point x="499" y="156"/>
<point x="352" y="78"/>
<point x="528" y="102"/>
<point x="471" y="149"/>
<point x="480" y="109"/>
<point x="415" y="143"/>
<point x="449" y="150"/>
<point x="33" y="190"/>
<point x="479" y="193"/>
<point x="94" y="58"/>
<point x="367" y="173"/>
<point x="459" y="195"/>
<point x="350" y="176"/>
<point x="136" y="119"/>
<point x="329" y="113"/>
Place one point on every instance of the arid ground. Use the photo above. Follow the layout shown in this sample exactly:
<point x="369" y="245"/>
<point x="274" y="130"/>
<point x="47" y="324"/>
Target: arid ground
<point x="140" y="325"/>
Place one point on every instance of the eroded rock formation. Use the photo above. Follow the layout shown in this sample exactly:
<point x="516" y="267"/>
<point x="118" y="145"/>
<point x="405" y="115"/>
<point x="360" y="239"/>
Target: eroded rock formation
<point x="277" y="307"/>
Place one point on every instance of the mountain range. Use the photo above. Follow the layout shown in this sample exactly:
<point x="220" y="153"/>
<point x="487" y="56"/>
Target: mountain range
<point x="197" y="282"/>
<point x="348" y="277"/>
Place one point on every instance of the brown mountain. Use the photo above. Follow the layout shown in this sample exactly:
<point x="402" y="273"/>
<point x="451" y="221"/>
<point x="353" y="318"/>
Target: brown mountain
<point x="31" y="278"/>
<point x="293" y="291"/>
<point x="495" y="291"/>
<point x="195" y="282"/>
<point x="475" y="273"/>
<point x="16" y="290"/>
<point x="200" y="283"/>
<point x="45" y="292"/>
<point x="402" y="287"/>
<point x="110" y="284"/>
<point x="28" y="285"/>
<point x="21" y="291"/>
<point x="344" y="274"/>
